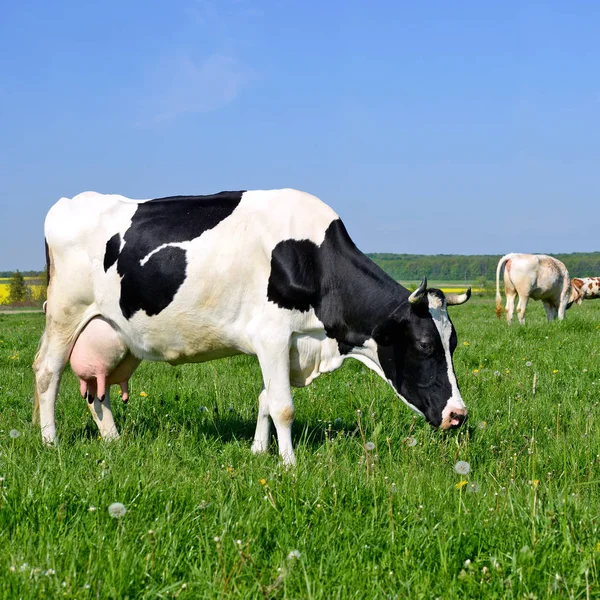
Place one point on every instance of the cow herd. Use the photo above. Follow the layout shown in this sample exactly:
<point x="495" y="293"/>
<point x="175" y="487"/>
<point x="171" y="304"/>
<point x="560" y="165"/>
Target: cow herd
<point x="272" y="274"/>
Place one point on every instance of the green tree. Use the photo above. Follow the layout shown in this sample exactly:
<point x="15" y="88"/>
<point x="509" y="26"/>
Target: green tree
<point x="18" y="291"/>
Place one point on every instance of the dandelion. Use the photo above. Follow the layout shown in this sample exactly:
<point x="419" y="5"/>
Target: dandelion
<point x="473" y="487"/>
<point x="475" y="371"/>
<point x="507" y="371"/>
<point x="528" y="363"/>
<point x="50" y="572"/>
<point x="411" y="442"/>
<point x="263" y="482"/>
<point x="117" y="510"/>
<point x="482" y="425"/>
<point x="555" y="371"/>
<point x="217" y="539"/>
<point x="143" y="394"/>
<point x="466" y="344"/>
<point x="14" y="433"/>
<point x="585" y="370"/>
<point x="462" y="467"/>
<point x="203" y="409"/>
<point x="92" y="509"/>
<point x="460" y="484"/>
<point x="337" y="422"/>
<point x="370" y="446"/>
<point x="294" y="555"/>
<point x="497" y="373"/>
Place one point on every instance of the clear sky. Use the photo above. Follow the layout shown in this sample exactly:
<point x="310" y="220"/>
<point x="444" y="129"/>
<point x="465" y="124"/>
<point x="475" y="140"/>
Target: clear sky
<point x="430" y="127"/>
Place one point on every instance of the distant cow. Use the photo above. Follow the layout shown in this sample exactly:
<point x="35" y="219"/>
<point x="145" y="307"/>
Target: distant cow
<point x="268" y="273"/>
<point x="588" y="286"/>
<point x="538" y="277"/>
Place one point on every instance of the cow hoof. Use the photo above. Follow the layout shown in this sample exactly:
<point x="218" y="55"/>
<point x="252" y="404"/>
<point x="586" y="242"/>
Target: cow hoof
<point x="125" y="400"/>
<point x="90" y="399"/>
<point x="101" y="398"/>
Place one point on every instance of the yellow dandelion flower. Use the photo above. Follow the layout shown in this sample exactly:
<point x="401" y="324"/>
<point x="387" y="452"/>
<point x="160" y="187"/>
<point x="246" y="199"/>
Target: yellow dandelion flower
<point x="263" y="482"/>
<point x="555" y="371"/>
<point x="475" y="371"/>
<point x="536" y="482"/>
<point x="460" y="484"/>
<point x="466" y="344"/>
<point x="507" y="371"/>
<point x="143" y="394"/>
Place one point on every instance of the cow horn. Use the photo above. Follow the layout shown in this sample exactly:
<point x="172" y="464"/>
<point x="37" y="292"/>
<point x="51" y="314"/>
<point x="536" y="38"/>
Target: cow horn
<point x="455" y="299"/>
<point x="419" y="292"/>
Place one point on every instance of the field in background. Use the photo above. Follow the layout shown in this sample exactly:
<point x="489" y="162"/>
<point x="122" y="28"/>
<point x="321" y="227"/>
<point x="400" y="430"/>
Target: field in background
<point x="33" y="282"/>
<point x="205" y="518"/>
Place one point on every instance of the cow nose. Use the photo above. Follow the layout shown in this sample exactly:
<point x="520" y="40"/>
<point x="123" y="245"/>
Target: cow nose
<point x="457" y="418"/>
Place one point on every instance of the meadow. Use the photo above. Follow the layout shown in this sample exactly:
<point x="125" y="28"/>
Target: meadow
<point x="374" y="509"/>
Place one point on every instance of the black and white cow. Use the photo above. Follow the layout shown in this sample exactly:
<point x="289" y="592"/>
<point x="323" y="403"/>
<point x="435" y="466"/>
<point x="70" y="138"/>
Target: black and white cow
<point x="268" y="273"/>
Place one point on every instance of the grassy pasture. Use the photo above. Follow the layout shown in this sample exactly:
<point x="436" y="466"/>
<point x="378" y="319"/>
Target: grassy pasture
<point x="207" y="519"/>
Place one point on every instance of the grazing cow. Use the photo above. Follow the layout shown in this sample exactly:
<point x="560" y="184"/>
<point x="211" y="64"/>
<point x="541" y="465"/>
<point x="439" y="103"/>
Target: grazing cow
<point x="538" y="277"/>
<point x="268" y="273"/>
<point x="588" y="286"/>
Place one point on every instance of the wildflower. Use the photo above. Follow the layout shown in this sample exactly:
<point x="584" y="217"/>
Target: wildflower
<point x="117" y="510"/>
<point x="263" y="482"/>
<point x="294" y="555"/>
<point x="507" y="371"/>
<point x="536" y="482"/>
<point x="555" y="371"/>
<point x="497" y="373"/>
<point x="12" y="568"/>
<point x="14" y="434"/>
<point x="585" y="370"/>
<point x="411" y="441"/>
<point x="92" y="509"/>
<point x="475" y="371"/>
<point x="203" y="409"/>
<point x="528" y="363"/>
<point x="462" y="467"/>
<point x="337" y="422"/>
<point x="370" y="446"/>
<point x="466" y="344"/>
<point x="143" y="394"/>
<point x="473" y="487"/>
<point x="482" y="425"/>
<point x="460" y="484"/>
<point x="50" y="572"/>
<point x="217" y="539"/>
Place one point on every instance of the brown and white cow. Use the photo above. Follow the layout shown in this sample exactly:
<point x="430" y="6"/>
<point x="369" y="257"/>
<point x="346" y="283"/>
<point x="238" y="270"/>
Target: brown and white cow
<point x="588" y="286"/>
<point x="535" y="276"/>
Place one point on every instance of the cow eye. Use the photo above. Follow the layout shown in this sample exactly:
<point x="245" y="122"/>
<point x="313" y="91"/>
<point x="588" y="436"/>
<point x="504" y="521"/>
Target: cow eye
<point x="424" y="346"/>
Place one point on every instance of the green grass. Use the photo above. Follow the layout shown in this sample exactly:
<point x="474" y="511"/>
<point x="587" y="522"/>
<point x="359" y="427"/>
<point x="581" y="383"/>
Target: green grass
<point x="389" y="523"/>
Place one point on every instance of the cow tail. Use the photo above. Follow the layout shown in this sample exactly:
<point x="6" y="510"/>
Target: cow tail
<point x="501" y="263"/>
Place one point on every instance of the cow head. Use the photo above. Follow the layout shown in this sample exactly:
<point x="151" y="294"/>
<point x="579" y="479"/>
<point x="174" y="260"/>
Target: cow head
<point x="576" y="292"/>
<point x="415" y="347"/>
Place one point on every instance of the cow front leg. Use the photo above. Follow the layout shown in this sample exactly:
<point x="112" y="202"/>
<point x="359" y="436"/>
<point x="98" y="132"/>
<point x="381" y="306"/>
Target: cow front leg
<point x="263" y="425"/>
<point x="275" y="367"/>
<point x="48" y="366"/>
<point x="103" y="417"/>
<point x="550" y="311"/>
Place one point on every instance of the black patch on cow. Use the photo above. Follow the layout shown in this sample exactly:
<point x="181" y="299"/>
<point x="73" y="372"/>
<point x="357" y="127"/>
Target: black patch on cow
<point x="152" y="286"/>
<point x="47" y="262"/>
<point x="112" y="251"/>
<point x="348" y="292"/>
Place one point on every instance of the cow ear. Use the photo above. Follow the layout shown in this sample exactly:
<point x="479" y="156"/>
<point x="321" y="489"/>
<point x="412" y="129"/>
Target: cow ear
<point x="578" y="283"/>
<point x="386" y="332"/>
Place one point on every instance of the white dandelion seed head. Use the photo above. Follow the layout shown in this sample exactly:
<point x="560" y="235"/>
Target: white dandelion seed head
<point x="481" y="425"/>
<point x="14" y="433"/>
<point x="92" y="508"/>
<point x="117" y="510"/>
<point x="217" y="539"/>
<point x="497" y="373"/>
<point x="370" y="446"/>
<point x="528" y="363"/>
<point x="411" y="441"/>
<point x="472" y="487"/>
<point x="294" y="555"/>
<point x="462" y="467"/>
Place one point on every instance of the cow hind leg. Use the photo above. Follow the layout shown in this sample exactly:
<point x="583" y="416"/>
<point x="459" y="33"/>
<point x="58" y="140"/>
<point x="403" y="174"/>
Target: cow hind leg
<point x="48" y="366"/>
<point x="103" y="417"/>
<point x="521" y="308"/>
<point x="276" y="398"/>
<point x="510" y="306"/>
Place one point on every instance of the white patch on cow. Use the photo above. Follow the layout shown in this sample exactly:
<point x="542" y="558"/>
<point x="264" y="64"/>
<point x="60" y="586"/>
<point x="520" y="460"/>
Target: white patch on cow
<point x="439" y="314"/>
<point x="161" y="247"/>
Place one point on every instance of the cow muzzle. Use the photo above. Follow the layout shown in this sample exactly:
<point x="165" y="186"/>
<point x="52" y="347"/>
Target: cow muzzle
<point x="454" y="419"/>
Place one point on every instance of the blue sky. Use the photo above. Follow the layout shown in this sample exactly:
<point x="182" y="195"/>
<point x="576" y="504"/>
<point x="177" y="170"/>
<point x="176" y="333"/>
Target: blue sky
<point x="430" y="127"/>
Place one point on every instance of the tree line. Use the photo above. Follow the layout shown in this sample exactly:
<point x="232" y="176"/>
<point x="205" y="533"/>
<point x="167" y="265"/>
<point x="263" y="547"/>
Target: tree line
<point x="458" y="267"/>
